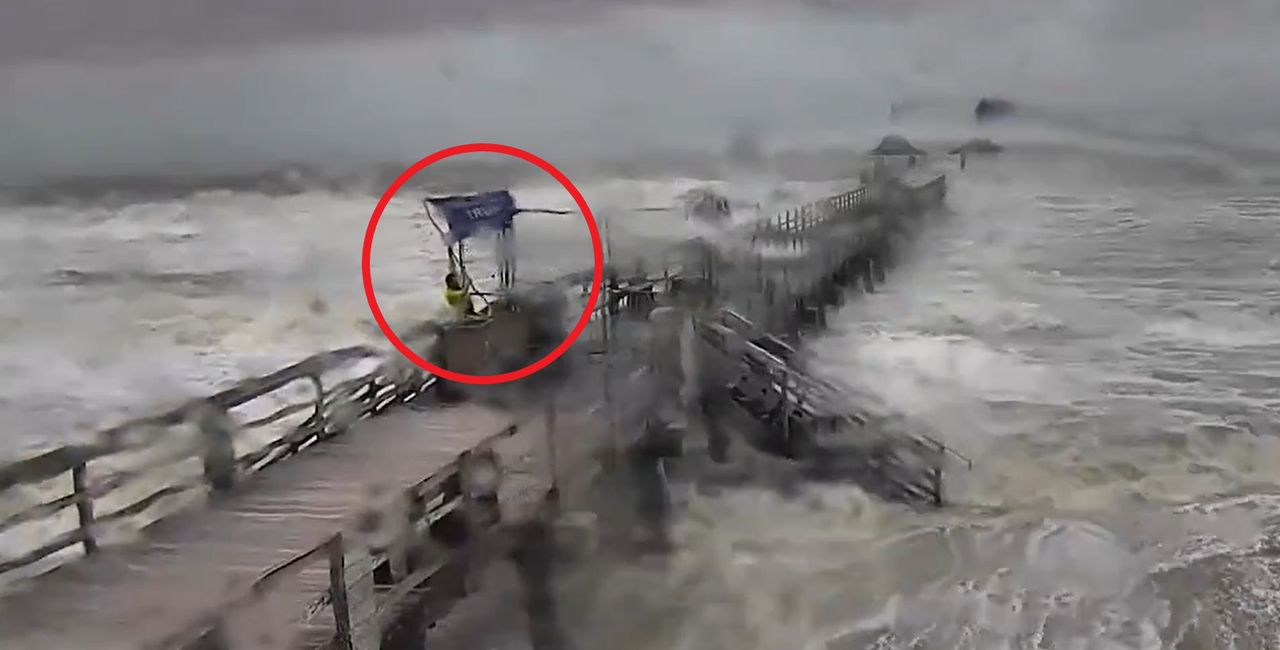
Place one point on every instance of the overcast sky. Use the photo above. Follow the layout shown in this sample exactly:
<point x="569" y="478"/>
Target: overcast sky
<point x="150" y="86"/>
<point x="133" y="28"/>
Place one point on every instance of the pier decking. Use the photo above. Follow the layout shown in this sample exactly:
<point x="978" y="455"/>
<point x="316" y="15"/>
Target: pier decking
<point x="188" y="564"/>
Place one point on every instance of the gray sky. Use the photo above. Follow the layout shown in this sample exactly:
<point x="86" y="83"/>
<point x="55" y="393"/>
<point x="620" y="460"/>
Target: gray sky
<point x="136" y="28"/>
<point x="132" y="28"/>
<point x="171" y="86"/>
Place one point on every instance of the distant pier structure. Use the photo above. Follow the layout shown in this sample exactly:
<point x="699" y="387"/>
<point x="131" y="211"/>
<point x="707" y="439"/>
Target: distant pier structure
<point x="975" y="146"/>
<point x="895" y="155"/>
<point x="347" y="502"/>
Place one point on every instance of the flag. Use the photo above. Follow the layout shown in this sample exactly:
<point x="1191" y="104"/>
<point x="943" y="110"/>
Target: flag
<point x="467" y="215"/>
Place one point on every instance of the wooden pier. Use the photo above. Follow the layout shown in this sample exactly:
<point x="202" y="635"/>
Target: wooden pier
<point x="339" y="503"/>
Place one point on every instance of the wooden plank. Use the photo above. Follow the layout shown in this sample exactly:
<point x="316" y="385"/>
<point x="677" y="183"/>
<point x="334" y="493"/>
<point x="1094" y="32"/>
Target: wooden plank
<point x="84" y="508"/>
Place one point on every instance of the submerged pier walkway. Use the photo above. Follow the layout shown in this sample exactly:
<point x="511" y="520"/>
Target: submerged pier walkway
<point x="342" y="503"/>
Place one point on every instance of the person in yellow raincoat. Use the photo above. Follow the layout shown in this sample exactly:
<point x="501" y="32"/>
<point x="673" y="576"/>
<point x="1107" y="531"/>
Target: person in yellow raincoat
<point x="457" y="296"/>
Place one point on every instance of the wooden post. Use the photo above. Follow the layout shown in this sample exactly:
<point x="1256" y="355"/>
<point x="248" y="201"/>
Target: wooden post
<point x="338" y="593"/>
<point x="554" y="494"/>
<point x="718" y="439"/>
<point x="786" y="411"/>
<point x="400" y="554"/>
<point x="534" y="559"/>
<point x="480" y="511"/>
<point x="374" y="387"/>
<point x="318" y="416"/>
<point x="506" y="258"/>
<point x="84" y="507"/>
<point x="217" y="432"/>
<point x="615" y="438"/>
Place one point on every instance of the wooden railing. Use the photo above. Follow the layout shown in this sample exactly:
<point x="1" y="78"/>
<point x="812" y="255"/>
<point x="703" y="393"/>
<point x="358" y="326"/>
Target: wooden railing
<point x="122" y="476"/>
<point x="336" y="616"/>
<point x="126" y="472"/>
<point x="791" y="223"/>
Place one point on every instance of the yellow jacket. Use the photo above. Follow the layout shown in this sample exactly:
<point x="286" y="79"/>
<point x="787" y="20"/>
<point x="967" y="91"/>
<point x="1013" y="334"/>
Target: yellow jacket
<point x="459" y="300"/>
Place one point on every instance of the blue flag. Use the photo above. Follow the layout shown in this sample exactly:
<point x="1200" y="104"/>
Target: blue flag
<point x="467" y="215"/>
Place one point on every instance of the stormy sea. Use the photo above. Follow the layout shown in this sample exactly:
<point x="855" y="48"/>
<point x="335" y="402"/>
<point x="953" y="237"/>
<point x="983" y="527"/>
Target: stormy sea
<point x="1098" y="329"/>
<point x="1094" y="321"/>
<point x="1101" y="335"/>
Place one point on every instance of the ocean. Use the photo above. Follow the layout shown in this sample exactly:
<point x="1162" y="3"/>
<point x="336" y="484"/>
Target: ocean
<point x="1098" y="329"/>
<point x="1100" y="333"/>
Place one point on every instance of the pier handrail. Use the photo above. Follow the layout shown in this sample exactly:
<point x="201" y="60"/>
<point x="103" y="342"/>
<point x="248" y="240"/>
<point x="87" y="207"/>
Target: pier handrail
<point x="327" y="411"/>
<point x="788" y="224"/>
<point x="330" y="409"/>
<point x="440" y="492"/>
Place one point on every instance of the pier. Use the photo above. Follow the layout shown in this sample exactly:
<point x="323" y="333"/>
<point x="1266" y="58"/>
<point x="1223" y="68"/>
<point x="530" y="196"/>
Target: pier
<point x="349" y="501"/>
